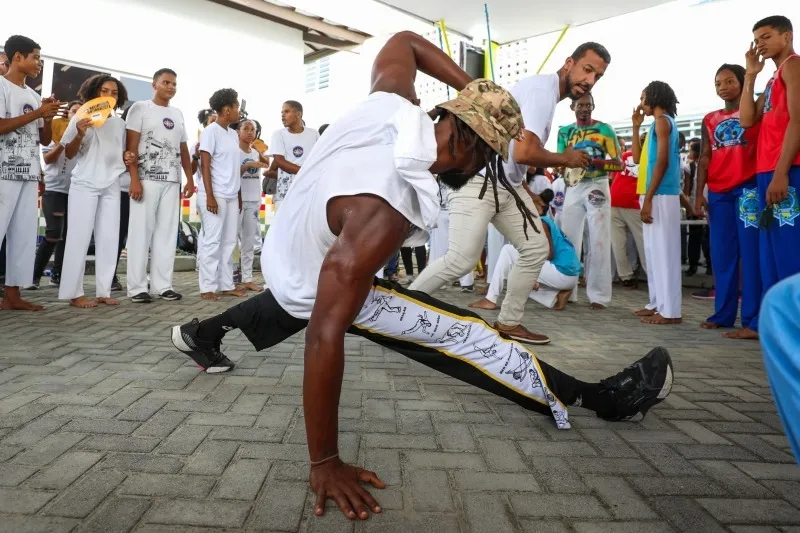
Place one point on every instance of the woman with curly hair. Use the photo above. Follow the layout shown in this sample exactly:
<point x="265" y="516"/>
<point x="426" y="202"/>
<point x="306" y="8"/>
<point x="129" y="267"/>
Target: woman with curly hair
<point x="94" y="194"/>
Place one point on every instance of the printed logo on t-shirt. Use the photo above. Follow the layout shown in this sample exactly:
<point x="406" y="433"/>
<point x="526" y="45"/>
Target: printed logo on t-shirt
<point x="27" y="108"/>
<point x="768" y="96"/>
<point x="297" y="151"/>
<point x="168" y="123"/>
<point x="729" y="133"/>
<point x="748" y="208"/>
<point x="787" y="210"/>
<point x="251" y="172"/>
<point x="558" y="200"/>
<point x="597" y="198"/>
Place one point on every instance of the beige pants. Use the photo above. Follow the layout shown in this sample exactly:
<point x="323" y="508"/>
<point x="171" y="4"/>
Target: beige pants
<point x="469" y="220"/>
<point x="622" y="220"/>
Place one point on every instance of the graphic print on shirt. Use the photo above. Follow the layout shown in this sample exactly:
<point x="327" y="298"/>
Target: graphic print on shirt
<point x="748" y="208"/>
<point x="20" y="148"/>
<point x="160" y="159"/>
<point x="382" y="303"/>
<point x="597" y="140"/>
<point x="728" y="133"/>
<point x="788" y="210"/>
<point x="297" y="151"/>
<point x="768" y="97"/>
<point x="250" y="173"/>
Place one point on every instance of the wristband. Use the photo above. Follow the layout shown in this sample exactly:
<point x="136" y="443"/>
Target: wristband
<point x="317" y="463"/>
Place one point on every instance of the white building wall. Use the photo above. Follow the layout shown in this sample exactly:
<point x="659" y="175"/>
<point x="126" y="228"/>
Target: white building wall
<point x="208" y="45"/>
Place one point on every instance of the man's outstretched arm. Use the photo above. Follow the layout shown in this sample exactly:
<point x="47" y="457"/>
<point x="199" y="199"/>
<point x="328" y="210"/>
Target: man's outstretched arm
<point x="368" y="235"/>
<point x="396" y="66"/>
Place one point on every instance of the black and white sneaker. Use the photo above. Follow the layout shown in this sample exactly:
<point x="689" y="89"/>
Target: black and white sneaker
<point x="116" y="286"/>
<point x="638" y="387"/>
<point x="170" y="296"/>
<point x="142" y="298"/>
<point x="207" y="355"/>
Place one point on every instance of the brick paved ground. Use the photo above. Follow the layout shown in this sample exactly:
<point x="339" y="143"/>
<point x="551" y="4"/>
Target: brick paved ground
<point x="104" y="427"/>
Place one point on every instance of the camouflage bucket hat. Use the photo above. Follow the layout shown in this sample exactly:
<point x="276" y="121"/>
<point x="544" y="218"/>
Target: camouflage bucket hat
<point x="490" y="111"/>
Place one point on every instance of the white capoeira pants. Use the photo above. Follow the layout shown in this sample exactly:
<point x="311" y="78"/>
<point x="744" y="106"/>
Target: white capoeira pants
<point x="217" y="242"/>
<point x="19" y="225"/>
<point x="248" y="224"/>
<point x="551" y="281"/>
<point x="91" y="210"/>
<point x="153" y="230"/>
<point x="589" y="200"/>
<point x="440" y="238"/>
<point x="662" y="249"/>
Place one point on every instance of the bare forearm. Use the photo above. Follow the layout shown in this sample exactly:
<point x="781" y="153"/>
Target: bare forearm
<point x="791" y="147"/>
<point x="71" y="149"/>
<point x="655" y="180"/>
<point x="702" y="177"/>
<point x="322" y="386"/>
<point x="636" y="147"/>
<point x="206" y="174"/>
<point x="747" y="104"/>
<point x="286" y="166"/>
<point x="186" y="164"/>
<point x="53" y="155"/>
<point x="46" y="133"/>
<point x="542" y="158"/>
<point x="7" y="125"/>
<point x="433" y="61"/>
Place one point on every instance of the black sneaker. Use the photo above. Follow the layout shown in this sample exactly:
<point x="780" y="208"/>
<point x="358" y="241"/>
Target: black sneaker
<point x="116" y="286"/>
<point x="55" y="279"/>
<point x="207" y="355"/>
<point x="34" y="286"/>
<point x="638" y="387"/>
<point x="170" y="296"/>
<point x="142" y="298"/>
<point x="468" y="288"/>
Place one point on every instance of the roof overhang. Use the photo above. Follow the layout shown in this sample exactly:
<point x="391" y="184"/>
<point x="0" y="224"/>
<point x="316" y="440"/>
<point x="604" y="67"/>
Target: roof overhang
<point x="321" y="36"/>
<point x="512" y="20"/>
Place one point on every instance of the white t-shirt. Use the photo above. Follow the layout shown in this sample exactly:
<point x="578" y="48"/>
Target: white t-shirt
<point x="295" y="148"/>
<point x="98" y="162"/>
<point x="162" y="130"/>
<point x="384" y="147"/>
<point x="222" y="144"/>
<point x="539" y="183"/>
<point x="251" y="184"/>
<point x="537" y="97"/>
<point x="19" y="149"/>
<point x="58" y="173"/>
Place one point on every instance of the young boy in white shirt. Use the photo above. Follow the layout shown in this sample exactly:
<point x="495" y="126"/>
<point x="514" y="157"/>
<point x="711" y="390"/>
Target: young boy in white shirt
<point x="290" y="147"/>
<point x="218" y="198"/>
<point x="156" y="133"/>
<point x="25" y="123"/>
<point x="251" y="164"/>
<point x="94" y="195"/>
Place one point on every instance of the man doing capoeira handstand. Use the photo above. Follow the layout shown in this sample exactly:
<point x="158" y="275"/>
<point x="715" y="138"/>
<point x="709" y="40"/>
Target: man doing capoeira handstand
<point x="342" y="220"/>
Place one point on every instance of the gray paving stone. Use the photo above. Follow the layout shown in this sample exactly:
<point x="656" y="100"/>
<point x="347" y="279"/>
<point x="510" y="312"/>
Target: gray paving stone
<point x="621" y="527"/>
<point x="400" y="522"/>
<point x="64" y="470"/>
<point x="430" y="491"/>
<point x="732" y="511"/>
<point x="85" y="494"/>
<point x="243" y="479"/>
<point x="557" y="506"/>
<point x="135" y="462"/>
<point x="196" y="513"/>
<point x="13" y="475"/>
<point x="686" y="515"/>
<point x="36" y="524"/>
<point x="281" y="507"/>
<point x="169" y="485"/>
<point x="117" y="515"/>
<point x="211" y="458"/>
<point x="487" y="512"/>
<point x="23" y="501"/>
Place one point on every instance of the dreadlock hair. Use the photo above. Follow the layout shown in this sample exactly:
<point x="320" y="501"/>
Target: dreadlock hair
<point x="90" y="89"/>
<point x="494" y="171"/>
<point x="660" y="94"/>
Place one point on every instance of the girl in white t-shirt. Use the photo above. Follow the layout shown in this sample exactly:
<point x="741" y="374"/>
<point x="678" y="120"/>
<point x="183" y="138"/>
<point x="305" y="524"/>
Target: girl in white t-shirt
<point x="251" y="165"/>
<point x="94" y="195"/>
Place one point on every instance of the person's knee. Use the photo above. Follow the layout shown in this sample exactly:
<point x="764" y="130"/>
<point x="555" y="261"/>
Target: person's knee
<point x="460" y="261"/>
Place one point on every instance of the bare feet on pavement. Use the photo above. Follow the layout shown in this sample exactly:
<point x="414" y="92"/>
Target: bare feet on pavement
<point x="209" y="296"/>
<point x="561" y="300"/>
<point x="82" y="302"/>
<point x="108" y="301"/>
<point x="742" y="333"/>
<point x="12" y="301"/>
<point x="251" y="286"/>
<point x="644" y="312"/>
<point x="596" y="307"/>
<point x="483" y="303"/>
<point x="659" y="320"/>
<point x="710" y="325"/>
<point x="235" y="292"/>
